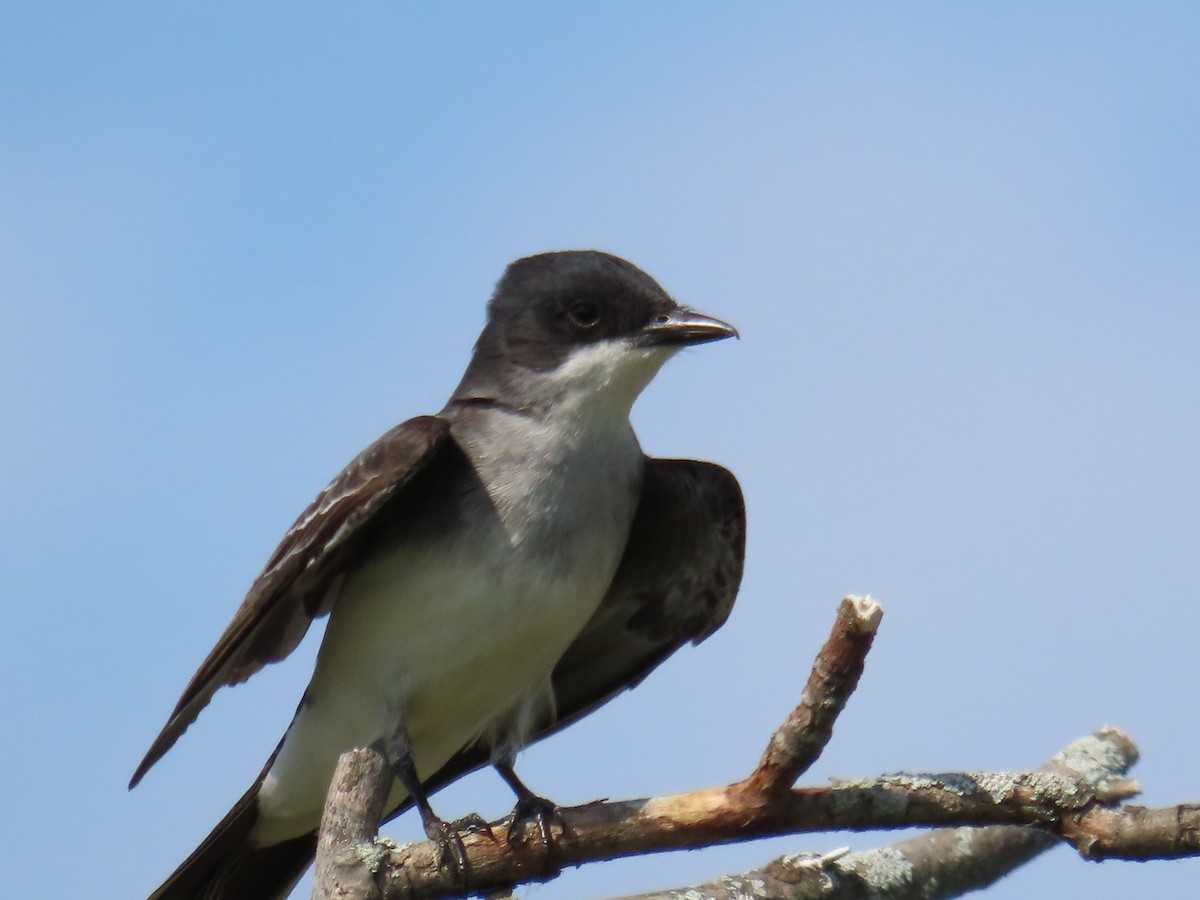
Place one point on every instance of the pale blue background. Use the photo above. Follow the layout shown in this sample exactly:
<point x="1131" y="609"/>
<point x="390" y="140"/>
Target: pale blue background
<point x="961" y="242"/>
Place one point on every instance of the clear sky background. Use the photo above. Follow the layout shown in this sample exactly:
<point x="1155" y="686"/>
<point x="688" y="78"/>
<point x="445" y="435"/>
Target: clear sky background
<point x="962" y="244"/>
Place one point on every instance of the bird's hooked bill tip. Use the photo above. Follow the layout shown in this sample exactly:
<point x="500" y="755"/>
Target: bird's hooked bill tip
<point x="685" y="327"/>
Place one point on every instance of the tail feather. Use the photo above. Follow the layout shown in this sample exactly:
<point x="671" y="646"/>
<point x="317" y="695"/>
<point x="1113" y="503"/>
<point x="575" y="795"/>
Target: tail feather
<point x="228" y="866"/>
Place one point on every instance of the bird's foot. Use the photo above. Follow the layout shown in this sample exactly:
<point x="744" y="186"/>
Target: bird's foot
<point x="451" y="852"/>
<point x="474" y="824"/>
<point x="532" y="809"/>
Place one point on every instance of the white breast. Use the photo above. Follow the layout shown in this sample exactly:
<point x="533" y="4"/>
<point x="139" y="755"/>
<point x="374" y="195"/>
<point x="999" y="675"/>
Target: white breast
<point x="460" y="635"/>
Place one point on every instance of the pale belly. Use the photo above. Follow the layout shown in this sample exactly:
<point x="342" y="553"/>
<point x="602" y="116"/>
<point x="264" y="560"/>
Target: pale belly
<point x="440" y="640"/>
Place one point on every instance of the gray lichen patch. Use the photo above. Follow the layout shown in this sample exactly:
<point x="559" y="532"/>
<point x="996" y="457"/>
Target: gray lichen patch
<point x="961" y="784"/>
<point x="964" y="844"/>
<point x="375" y="854"/>
<point x="997" y="785"/>
<point x="743" y="888"/>
<point x="1055" y="788"/>
<point x="1095" y="757"/>
<point x="883" y="869"/>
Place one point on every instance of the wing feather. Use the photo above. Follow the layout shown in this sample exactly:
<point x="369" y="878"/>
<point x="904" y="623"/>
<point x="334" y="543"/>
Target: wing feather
<point x="676" y="583"/>
<point x="299" y="582"/>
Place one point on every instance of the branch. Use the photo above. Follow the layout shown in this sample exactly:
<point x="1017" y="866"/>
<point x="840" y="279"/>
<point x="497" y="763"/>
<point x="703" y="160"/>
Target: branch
<point x="835" y="673"/>
<point x="602" y="831"/>
<point x="1136" y="833"/>
<point x="1066" y="799"/>
<point x="944" y="863"/>
<point x="347" y="858"/>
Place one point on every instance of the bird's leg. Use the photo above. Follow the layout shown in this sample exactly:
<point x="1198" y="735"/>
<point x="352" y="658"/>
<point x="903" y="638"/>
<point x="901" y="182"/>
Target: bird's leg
<point x="529" y="806"/>
<point x="398" y="751"/>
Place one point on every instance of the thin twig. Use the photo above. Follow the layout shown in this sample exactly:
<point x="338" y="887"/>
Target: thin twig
<point x="798" y="742"/>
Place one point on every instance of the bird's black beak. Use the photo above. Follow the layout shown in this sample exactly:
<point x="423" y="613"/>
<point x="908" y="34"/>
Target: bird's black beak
<point x="682" y="327"/>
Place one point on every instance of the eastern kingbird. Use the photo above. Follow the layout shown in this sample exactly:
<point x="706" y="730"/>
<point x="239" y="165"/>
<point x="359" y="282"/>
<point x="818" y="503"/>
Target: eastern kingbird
<point x="491" y="573"/>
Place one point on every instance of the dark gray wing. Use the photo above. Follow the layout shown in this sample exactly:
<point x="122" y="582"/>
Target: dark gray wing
<point x="299" y="581"/>
<point x="676" y="583"/>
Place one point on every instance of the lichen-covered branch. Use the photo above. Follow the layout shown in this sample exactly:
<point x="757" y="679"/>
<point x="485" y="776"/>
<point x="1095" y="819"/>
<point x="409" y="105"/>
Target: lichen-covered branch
<point x="1069" y="799"/>
<point x="730" y="814"/>
<point x="938" y="864"/>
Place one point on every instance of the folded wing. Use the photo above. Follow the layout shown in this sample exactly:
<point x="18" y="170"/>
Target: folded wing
<point x="675" y="584"/>
<point x="300" y="580"/>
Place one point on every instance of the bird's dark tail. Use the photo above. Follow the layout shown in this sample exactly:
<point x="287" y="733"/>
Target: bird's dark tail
<point x="228" y="866"/>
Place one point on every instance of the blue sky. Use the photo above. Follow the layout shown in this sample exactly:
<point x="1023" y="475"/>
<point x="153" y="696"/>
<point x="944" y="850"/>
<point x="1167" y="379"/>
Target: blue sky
<point x="961" y="243"/>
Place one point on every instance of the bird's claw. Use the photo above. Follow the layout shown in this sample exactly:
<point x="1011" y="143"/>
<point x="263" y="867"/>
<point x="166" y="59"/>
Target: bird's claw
<point x="474" y="824"/>
<point x="451" y="852"/>
<point x="532" y="808"/>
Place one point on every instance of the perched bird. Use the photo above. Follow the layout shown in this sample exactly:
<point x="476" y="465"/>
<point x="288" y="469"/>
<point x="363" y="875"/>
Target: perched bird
<point x="491" y="573"/>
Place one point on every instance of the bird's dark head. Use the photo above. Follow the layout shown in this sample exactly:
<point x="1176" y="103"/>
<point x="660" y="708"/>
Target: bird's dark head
<point x="580" y="321"/>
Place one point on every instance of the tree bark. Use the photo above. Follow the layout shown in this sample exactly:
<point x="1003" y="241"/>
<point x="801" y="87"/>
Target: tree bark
<point x="1013" y="816"/>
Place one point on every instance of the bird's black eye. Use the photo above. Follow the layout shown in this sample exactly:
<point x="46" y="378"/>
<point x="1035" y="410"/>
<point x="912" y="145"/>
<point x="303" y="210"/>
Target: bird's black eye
<point x="584" y="313"/>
